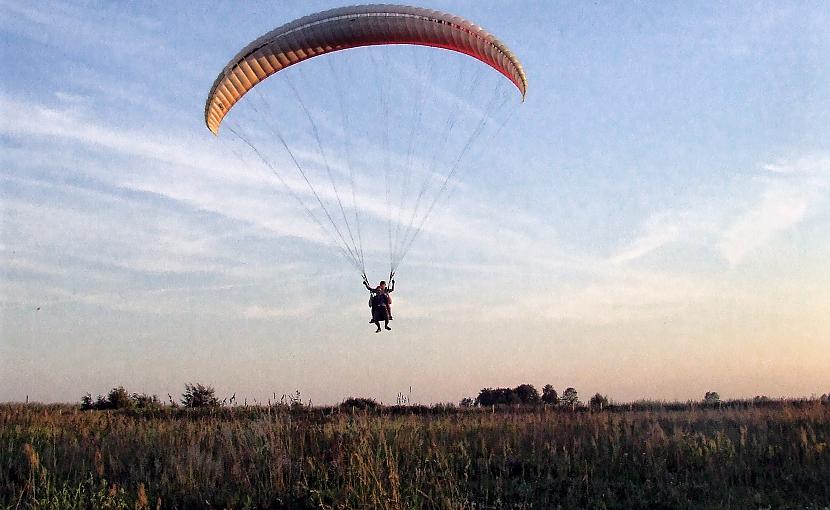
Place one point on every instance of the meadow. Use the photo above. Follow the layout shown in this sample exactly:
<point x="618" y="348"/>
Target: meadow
<point x="57" y="456"/>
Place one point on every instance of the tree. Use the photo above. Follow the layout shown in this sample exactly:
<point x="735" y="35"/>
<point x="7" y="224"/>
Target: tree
<point x="527" y="394"/>
<point x="198" y="395"/>
<point x="87" y="403"/>
<point x="521" y="394"/>
<point x="496" y="396"/>
<point x="549" y="395"/>
<point x="711" y="398"/>
<point x="509" y="396"/>
<point x="570" y="398"/>
<point x="467" y="402"/>
<point x="598" y="401"/>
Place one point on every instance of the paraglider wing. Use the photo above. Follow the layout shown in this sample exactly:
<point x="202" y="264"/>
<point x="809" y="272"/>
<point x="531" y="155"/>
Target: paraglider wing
<point x="351" y="27"/>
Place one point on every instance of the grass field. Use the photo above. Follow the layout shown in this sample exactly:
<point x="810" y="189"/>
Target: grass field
<point x="743" y="457"/>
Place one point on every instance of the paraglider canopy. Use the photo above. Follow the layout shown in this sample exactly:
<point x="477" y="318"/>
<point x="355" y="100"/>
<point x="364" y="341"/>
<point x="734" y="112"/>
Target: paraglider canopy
<point x="351" y="27"/>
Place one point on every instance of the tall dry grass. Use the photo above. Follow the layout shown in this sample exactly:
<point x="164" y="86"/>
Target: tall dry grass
<point x="60" y="457"/>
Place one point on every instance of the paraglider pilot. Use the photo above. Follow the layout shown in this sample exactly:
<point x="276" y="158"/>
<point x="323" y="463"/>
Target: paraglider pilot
<point x="381" y="302"/>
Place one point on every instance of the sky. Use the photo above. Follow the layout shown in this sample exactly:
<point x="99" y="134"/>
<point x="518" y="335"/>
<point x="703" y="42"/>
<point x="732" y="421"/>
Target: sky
<point x="652" y="222"/>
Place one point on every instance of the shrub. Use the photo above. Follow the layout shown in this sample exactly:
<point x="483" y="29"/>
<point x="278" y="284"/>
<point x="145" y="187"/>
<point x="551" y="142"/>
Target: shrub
<point x="598" y="401"/>
<point x="198" y="395"/>
<point x="118" y="398"/>
<point x="359" y="403"/>
<point x="87" y="403"/>
<point x="145" y="401"/>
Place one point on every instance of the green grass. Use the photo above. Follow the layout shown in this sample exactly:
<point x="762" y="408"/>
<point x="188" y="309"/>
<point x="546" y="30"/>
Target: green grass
<point x="60" y="457"/>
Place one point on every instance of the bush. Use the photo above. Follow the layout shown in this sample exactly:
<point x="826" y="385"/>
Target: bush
<point x="360" y="403"/>
<point x="87" y="403"/>
<point x="119" y="398"/>
<point x="145" y="401"/>
<point x="598" y="401"/>
<point x="198" y="395"/>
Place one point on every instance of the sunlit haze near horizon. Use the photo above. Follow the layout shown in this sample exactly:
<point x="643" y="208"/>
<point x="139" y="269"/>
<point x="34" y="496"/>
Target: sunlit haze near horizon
<point x="652" y="222"/>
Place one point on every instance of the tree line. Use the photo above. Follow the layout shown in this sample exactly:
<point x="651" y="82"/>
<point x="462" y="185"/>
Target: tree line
<point x="527" y="394"/>
<point x="524" y="395"/>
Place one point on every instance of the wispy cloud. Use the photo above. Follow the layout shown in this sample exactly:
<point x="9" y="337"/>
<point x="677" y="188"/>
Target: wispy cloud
<point x="659" y="231"/>
<point x="190" y="172"/>
<point x="790" y="189"/>
<point x="748" y="214"/>
<point x="277" y="312"/>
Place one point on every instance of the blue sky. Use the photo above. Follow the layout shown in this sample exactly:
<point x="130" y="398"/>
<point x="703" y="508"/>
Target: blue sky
<point x="654" y="221"/>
